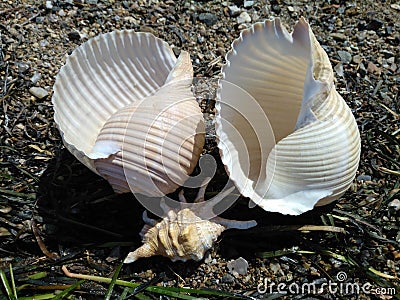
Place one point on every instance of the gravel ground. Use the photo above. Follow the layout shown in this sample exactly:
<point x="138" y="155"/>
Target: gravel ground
<point x="53" y="211"/>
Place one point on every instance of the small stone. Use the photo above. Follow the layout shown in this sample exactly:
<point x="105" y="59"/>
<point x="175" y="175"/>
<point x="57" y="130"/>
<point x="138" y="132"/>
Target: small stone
<point x="131" y="20"/>
<point x="338" y="36"/>
<point x="38" y="92"/>
<point x="247" y="4"/>
<point x="357" y="59"/>
<point x="39" y="19"/>
<point x="208" y="18"/>
<point x="276" y="9"/>
<point x="390" y="60"/>
<point x="49" y="5"/>
<point x="339" y="69"/>
<point x="22" y="67"/>
<point x="208" y="258"/>
<point x="395" y="204"/>
<point x="244" y="17"/>
<point x="44" y="43"/>
<point x="372" y="68"/>
<point x="345" y="56"/>
<point x="387" y="53"/>
<point x="233" y="10"/>
<point x="276" y="268"/>
<point x="36" y="77"/>
<point x="228" y="278"/>
<point x="389" y="30"/>
<point x="238" y="266"/>
<point x="74" y="35"/>
<point x="395" y="6"/>
<point x="375" y="24"/>
<point x="93" y="2"/>
<point x="364" y="177"/>
<point x="290" y="9"/>
<point x="145" y="28"/>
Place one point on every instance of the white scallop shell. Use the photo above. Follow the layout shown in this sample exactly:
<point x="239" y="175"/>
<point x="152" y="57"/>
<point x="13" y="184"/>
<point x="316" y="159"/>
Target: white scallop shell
<point x="287" y="138"/>
<point x="124" y="107"/>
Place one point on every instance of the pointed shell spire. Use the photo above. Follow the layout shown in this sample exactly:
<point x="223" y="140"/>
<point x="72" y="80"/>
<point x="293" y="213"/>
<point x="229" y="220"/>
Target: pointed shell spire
<point x="183" y="234"/>
<point x="124" y="107"/>
<point x="287" y="138"/>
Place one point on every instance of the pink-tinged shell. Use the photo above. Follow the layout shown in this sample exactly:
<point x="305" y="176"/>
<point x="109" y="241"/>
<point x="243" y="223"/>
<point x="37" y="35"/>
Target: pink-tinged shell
<point x="124" y="107"/>
<point x="185" y="233"/>
<point x="287" y="138"/>
<point x="180" y="236"/>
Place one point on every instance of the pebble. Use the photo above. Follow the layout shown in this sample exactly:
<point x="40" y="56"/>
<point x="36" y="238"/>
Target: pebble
<point x="244" y="17"/>
<point x="233" y="10"/>
<point x="364" y="177"/>
<point x="395" y="6"/>
<point x="390" y="60"/>
<point x="238" y="266"/>
<point x="22" y="67"/>
<point x="38" y="92"/>
<point x="290" y="9"/>
<point x="36" y="77"/>
<point x="372" y="68"/>
<point x="338" y="36"/>
<point x="345" y="56"/>
<point x="228" y="278"/>
<point x="387" y="54"/>
<point x="375" y="24"/>
<point x="49" y="4"/>
<point x="395" y="204"/>
<point x="357" y="59"/>
<point x="44" y="43"/>
<point x="39" y="19"/>
<point x="208" y="18"/>
<point x="247" y="4"/>
<point x="276" y="268"/>
<point x="276" y="8"/>
<point x="74" y="35"/>
<point x="339" y="69"/>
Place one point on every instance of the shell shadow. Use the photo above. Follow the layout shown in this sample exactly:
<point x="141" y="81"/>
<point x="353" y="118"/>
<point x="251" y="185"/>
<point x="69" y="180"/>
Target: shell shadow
<point x="79" y="209"/>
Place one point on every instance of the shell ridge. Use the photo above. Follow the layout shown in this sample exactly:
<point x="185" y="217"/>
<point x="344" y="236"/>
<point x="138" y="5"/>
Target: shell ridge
<point x="313" y="162"/>
<point x="101" y="69"/>
<point x="122" y="71"/>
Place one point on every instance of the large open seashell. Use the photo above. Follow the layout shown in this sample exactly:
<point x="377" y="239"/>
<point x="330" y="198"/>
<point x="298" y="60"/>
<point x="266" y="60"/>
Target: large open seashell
<point x="124" y="107"/>
<point x="286" y="137"/>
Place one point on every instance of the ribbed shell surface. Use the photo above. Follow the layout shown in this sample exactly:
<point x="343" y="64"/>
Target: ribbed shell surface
<point x="183" y="237"/>
<point x="312" y="153"/>
<point x="112" y="94"/>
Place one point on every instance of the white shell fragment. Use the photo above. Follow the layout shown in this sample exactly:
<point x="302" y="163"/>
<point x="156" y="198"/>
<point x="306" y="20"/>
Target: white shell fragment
<point x="287" y="138"/>
<point x="124" y="107"/>
<point x="184" y="233"/>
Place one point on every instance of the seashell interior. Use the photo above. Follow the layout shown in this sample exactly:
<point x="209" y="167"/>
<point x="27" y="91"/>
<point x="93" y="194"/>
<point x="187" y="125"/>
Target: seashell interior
<point x="123" y="104"/>
<point x="287" y="138"/>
